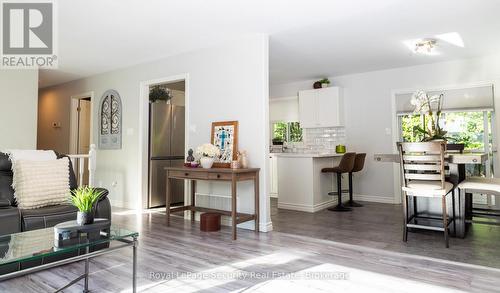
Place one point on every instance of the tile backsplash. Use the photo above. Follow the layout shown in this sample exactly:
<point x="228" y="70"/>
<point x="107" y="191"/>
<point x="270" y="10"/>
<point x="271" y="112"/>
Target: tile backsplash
<point x="322" y="140"/>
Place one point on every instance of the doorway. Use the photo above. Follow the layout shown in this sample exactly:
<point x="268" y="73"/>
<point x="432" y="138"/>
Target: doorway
<point x="81" y="130"/>
<point x="166" y="140"/>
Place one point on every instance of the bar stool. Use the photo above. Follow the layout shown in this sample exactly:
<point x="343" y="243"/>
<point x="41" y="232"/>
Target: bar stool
<point x="422" y="174"/>
<point x="345" y="166"/>
<point x="489" y="186"/>
<point x="359" y="163"/>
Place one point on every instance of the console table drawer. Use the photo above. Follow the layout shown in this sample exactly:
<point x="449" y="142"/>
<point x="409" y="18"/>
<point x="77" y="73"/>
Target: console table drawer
<point x="188" y="175"/>
<point x="219" y="176"/>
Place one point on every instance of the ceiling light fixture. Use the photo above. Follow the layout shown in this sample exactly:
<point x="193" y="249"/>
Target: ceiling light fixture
<point x="425" y="46"/>
<point x="422" y="46"/>
<point x="429" y="46"/>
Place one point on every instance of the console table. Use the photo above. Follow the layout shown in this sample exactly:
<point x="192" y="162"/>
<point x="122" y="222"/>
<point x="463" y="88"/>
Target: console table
<point x="215" y="174"/>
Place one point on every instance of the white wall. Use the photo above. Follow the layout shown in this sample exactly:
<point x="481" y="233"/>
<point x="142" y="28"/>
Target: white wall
<point x="229" y="82"/>
<point x="368" y="109"/>
<point x="284" y="109"/>
<point x="18" y="108"/>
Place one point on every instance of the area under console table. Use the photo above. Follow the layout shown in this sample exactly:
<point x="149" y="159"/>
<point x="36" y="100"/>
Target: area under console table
<point x="215" y="174"/>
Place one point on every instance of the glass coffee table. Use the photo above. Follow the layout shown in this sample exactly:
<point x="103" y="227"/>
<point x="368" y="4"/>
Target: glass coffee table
<point x="36" y="247"/>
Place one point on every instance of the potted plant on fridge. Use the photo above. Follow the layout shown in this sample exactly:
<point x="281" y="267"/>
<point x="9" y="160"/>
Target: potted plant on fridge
<point x="84" y="198"/>
<point x="159" y="93"/>
<point x="207" y="153"/>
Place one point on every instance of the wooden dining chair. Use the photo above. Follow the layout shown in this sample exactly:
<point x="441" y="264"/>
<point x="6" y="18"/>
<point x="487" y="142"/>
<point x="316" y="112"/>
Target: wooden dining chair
<point x="422" y="172"/>
<point x="478" y="185"/>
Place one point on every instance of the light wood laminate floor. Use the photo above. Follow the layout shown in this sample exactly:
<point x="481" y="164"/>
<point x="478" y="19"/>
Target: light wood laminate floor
<point x="168" y="257"/>
<point x="379" y="225"/>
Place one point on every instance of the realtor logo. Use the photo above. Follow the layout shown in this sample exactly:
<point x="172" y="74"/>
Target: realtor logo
<point x="28" y="36"/>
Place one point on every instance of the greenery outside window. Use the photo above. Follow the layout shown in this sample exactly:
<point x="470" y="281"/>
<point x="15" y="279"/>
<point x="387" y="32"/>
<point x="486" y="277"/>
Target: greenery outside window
<point x="287" y="132"/>
<point x="471" y="128"/>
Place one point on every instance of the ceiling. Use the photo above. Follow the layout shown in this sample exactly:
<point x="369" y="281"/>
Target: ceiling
<point x="308" y="39"/>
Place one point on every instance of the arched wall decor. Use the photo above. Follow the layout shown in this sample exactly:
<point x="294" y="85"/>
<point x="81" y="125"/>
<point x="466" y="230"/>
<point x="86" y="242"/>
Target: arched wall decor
<point x="110" y="121"/>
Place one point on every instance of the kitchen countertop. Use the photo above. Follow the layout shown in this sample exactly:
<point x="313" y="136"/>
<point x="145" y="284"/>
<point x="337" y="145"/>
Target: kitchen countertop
<point x="306" y="155"/>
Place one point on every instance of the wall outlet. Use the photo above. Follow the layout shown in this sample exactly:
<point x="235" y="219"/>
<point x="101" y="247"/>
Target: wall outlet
<point x="114" y="184"/>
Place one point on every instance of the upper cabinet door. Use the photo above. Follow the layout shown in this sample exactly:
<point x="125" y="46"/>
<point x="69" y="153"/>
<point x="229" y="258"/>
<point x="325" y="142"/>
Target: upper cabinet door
<point x="330" y="110"/>
<point x="308" y="111"/>
<point x="321" y="108"/>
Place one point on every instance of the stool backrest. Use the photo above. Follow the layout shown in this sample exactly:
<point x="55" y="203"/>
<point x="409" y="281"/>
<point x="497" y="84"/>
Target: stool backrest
<point x="359" y="162"/>
<point x="347" y="162"/>
<point x="422" y="161"/>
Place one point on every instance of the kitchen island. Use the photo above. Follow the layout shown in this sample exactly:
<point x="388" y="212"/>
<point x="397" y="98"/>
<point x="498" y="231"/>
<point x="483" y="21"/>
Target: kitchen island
<point x="301" y="185"/>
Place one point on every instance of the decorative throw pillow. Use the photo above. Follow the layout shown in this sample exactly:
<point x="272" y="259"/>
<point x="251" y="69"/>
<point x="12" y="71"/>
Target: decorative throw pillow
<point x="41" y="183"/>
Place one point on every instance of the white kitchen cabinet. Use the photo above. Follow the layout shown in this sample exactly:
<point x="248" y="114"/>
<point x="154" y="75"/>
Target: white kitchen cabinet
<point x="321" y="108"/>
<point x="273" y="166"/>
<point x="307" y="109"/>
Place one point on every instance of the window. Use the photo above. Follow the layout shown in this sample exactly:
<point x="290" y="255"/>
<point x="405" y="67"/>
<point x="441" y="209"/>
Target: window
<point x="472" y="128"/>
<point x="287" y="131"/>
<point x="110" y="119"/>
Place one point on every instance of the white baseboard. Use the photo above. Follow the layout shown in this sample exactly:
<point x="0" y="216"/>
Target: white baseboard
<point x="375" y="198"/>
<point x="263" y="227"/>
<point x="333" y="201"/>
<point x="306" y="208"/>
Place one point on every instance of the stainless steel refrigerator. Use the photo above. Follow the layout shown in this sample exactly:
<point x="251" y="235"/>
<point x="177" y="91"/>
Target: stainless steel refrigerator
<point x="166" y="149"/>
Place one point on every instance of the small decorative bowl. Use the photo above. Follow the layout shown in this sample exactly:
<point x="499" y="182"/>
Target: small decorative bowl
<point x="340" y="149"/>
<point x="194" y="165"/>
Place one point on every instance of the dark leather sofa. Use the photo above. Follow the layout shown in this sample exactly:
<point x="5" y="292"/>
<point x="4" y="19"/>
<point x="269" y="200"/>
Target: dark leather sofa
<point x="13" y="219"/>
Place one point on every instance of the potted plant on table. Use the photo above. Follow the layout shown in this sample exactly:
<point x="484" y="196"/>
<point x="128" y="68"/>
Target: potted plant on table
<point x="431" y="107"/>
<point x="207" y="152"/>
<point x="84" y="198"/>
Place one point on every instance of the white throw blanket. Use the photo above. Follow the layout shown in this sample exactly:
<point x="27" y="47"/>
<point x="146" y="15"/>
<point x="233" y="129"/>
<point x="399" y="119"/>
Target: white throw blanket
<point x="39" y="179"/>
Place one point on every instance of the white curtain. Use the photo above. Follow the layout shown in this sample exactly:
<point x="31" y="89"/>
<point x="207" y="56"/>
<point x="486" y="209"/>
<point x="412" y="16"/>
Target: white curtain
<point x="470" y="98"/>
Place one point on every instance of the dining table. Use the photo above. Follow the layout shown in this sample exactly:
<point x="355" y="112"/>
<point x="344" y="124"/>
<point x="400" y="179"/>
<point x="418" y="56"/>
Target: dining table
<point x="459" y="201"/>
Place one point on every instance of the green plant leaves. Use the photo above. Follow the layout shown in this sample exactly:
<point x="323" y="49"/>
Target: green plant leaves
<point x="159" y="93"/>
<point x="83" y="198"/>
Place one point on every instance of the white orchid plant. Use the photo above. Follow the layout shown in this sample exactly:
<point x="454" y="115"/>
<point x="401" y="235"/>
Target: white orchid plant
<point x="430" y="106"/>
<point x="207" y="150"/>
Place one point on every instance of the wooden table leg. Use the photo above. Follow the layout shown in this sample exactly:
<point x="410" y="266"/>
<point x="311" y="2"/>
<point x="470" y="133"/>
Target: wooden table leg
<point x="193" y="196"/>
<point x="256" y="191"/>
<point x="167" y="200"/>
<point x="457" y="175"/>
<point x="233" y="205"/>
